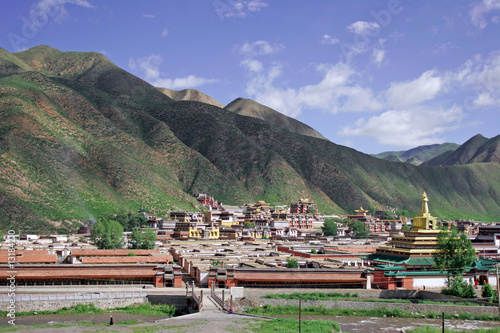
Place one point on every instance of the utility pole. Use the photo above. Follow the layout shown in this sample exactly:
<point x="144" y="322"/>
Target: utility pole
<point x="300" y="313"/>
<point x="498" y="292"/>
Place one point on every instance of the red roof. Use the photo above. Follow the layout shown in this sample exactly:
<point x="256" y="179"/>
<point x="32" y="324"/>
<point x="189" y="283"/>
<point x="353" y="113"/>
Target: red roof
<point x="114" y="253"/>
<point x="125" y="260"/>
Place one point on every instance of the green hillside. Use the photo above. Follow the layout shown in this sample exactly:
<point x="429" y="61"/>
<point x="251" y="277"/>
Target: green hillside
<point x="477" y="149"/>
<point x="80" y="137"/>
<point x="418" y="155"/>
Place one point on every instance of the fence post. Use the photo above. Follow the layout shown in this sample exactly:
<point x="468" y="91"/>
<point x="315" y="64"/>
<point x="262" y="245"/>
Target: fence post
<point x="201" y="301"/>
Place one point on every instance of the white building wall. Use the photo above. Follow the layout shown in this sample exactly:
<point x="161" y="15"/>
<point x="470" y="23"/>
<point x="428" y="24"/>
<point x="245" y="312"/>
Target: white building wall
<point x="429" y="282"/>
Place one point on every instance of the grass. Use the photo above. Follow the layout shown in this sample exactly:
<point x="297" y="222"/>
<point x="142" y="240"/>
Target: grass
<point x="142" y="309"/>
<point x="312" y="296"/>
<point x="428" y="329"/>
<point x="285" y="325"/>
<point x="11" y="328"/>
<point x="334" y="296"/>
<point x="269" y="309"/>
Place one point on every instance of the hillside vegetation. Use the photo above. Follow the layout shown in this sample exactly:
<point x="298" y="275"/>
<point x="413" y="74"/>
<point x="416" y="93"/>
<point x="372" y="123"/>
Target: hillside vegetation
<point x="80" y="137"/>
<point x="477" y="149"/>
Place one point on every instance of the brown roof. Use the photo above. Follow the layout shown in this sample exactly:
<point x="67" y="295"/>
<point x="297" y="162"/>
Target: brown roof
<point x="79" y="271"/>
<point x="23" y="258"/>
<point x="127" y="260"/>
<point x="114" y="253"/>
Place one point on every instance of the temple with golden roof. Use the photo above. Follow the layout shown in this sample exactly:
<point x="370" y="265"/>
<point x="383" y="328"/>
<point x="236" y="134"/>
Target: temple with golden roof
<point x="413" y="249"/>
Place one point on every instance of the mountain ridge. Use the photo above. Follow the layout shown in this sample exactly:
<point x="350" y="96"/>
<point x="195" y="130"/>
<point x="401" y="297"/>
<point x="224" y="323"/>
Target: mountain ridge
<point x="80" y="138"/>
<point x="477" y="149"/>
<point x="250" y="108"/>
<point x="417" y="155"/>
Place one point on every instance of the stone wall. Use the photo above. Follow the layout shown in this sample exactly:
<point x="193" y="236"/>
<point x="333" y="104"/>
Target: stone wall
<point x="53" y="305"/>
<point x="420" y="308"/>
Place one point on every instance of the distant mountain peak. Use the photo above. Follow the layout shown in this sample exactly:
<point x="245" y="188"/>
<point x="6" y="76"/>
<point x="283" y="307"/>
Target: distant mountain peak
<point x="418" y="155"/>
<point x="251" y="108"/>
<point x="190" y="95"/>
<point x="477" y="149"/>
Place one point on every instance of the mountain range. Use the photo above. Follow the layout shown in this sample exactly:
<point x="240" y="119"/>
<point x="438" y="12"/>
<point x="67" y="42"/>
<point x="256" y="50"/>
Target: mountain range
<point x="418" y="155"/>
<point x="81" y="137"/>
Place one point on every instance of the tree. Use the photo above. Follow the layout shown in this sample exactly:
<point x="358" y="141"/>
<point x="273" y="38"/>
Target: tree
<point x="329" y="228"/>
<point x="460" y="288"/>
<point x="291" y="263"/>
<point x="129" y="221"/>
<point x="487" y="291"/>
<point x="358" y="229"/>
<point x="386" y="215"/>
<point x="107" y="234"/>
<point x="249" y="225"/>
<point x="454" y="253"/>
<point x="144" y="240"/>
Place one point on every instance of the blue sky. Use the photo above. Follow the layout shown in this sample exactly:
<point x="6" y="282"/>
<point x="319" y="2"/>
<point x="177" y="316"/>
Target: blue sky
<point x="372" y="75"/>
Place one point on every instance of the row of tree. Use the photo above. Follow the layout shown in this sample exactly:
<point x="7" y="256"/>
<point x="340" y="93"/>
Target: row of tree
<point x="107" y="233"/>
<point x="358" y="228"/>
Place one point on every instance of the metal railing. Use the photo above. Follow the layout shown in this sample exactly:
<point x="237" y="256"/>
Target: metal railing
<point x="73" y="296"/>
<point x="218" y="299"/>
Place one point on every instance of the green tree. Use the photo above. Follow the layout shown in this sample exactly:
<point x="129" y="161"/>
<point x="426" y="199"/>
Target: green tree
<point x="107" y="234"/>
<point x="405" y="227"/>
<point x="386" y="215"/>
<point x="487" y="291"/>
<point x="129" y="221"/>
<point x="358" y="229"/>
<point x="403" y="212"/>
<point x="249" y="225"/>
<point x="329" y="228"/>
<point x="291" y="263"/>
<point x="458" y="287"/>
<point x="313" y="251"/>
<point x="143" y="239"/>
<point x="454" y="253"/>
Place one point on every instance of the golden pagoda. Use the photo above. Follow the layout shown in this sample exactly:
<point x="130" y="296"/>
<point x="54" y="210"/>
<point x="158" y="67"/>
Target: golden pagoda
<point x="415" y="247"/>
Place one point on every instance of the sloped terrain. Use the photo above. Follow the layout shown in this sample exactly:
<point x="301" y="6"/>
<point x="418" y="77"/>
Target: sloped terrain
<point x="477" y="149"/>
<point x="190" y="95"/>
<point x="80" y="137"/>
<point x="418" y="155"/>
<point x="247" y="107"/>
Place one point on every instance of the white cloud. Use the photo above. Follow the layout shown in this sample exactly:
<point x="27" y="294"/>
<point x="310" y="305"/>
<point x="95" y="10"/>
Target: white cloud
<point x="363" y="28"/>
<point x="336" y="91"/>
<point x="409" y="127"/>
<point x="252" y="65"/>
<point x="378" y="56"/>
<point x="149" y="16"/>
<point x="410" y="93"/>
<point x="55" y="9"/>
<point x="480" y="9"/>
<point x="443" y="48"/>
<point x="149" y="69"/>
<point x="164" y="33"/>
<point x="236" y="8"/>
<point x="259" y="48"/>
<point x="329" y="40"/>
<point x="484" y="99"/>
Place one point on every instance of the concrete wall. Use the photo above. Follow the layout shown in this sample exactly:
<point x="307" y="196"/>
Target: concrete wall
<point x="177" y="300"/>
<point x="22" y="306"/>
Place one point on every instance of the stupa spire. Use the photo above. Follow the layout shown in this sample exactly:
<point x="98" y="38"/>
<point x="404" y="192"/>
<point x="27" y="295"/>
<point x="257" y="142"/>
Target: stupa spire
<point x="425" y="205"/>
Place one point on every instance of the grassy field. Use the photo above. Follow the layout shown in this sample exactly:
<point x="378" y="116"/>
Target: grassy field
<point x="379" y="312"/>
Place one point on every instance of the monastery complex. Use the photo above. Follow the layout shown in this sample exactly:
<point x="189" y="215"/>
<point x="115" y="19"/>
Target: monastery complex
<point x="254" y="246"/>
